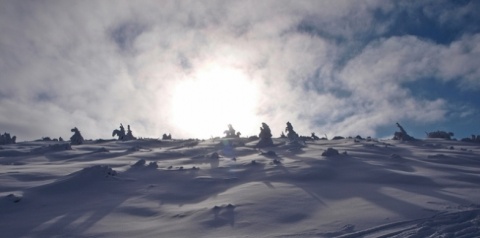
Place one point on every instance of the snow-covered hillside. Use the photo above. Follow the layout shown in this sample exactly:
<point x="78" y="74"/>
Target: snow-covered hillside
<point x="181" y="188"/>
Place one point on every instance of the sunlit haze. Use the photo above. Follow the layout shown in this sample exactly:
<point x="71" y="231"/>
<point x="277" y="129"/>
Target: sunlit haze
<point x="212" y="98"/>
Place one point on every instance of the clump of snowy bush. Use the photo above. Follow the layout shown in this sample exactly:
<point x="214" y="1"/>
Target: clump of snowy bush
<point x="265" y="136"/>
<point x="143" y="164"/>
<point x="402" y="134"/>
<point x="77" y="138"/>
<point x="230" y="133"/>
<point x="475" y="139"/>
<point x="122" y="135"/>
<point x="330" y="152"/>
<point x="440" y="134"/>
<point x="98" y="170"/>
<point x="7" y="139"/>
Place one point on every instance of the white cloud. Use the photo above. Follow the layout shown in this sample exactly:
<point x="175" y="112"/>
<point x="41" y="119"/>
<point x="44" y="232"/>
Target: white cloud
<point x="94" y="65"/>
<point x="460" y="62"/>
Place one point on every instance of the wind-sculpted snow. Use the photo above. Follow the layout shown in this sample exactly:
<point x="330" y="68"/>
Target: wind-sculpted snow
<point x="231" y="188"/>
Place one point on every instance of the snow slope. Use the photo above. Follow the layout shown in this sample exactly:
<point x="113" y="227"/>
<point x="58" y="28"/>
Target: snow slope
<point x="181" y="188"/>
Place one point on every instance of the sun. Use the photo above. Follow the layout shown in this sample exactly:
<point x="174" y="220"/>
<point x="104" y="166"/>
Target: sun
<point x="215" y="96"/>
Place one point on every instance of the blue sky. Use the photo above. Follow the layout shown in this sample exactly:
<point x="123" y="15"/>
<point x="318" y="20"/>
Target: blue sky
<point x="329" y="67"/>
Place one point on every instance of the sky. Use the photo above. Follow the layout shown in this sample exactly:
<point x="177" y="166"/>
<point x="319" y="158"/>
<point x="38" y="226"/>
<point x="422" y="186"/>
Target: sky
<point x="190" y="68"/>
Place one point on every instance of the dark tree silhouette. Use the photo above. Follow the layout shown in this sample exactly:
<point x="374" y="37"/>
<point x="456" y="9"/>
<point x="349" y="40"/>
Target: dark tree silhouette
<point x="402" y="134"/>
<point x="265" y="136"/>
<point x="230" y="133"/>
<point x="77" y="138"/>
<point x="7" y="139"/>
<point x="291" y="134"/>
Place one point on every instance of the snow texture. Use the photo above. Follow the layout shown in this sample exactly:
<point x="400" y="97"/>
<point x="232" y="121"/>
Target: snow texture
<point x="228" y="188"/>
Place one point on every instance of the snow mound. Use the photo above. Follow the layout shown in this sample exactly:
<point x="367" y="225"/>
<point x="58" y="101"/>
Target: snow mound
<point x="330" y="152"/>
<point x="103" y="149"/>
<point x="97" y="171"/>
<point x="143" y="164"/>
<point x="134" y="148"/>
<point x="52" y="148"/>
<point x="395" y="157"/>
<point x="269" y="153"/>
<point x="12" y="198"/>
<point x="214" y="155"/>
<point x="296" y="144"/>
<point x="222" y="215"/>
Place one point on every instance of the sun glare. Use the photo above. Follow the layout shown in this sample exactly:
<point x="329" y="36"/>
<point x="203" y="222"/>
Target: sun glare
<point x="214" y="97"/>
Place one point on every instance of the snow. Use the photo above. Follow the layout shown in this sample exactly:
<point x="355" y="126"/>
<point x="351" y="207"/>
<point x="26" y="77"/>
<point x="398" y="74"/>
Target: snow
<point x="230" y="188"/>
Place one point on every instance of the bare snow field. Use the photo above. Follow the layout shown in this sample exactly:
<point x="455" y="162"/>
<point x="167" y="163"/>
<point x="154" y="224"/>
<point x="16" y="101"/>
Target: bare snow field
<point x="181" y="188"/>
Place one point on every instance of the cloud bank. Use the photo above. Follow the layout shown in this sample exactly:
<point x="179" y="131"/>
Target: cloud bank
<point x="329" y="67"/>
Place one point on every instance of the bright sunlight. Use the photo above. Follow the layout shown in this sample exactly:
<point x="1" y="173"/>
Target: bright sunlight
<point x="214" y="97"/>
